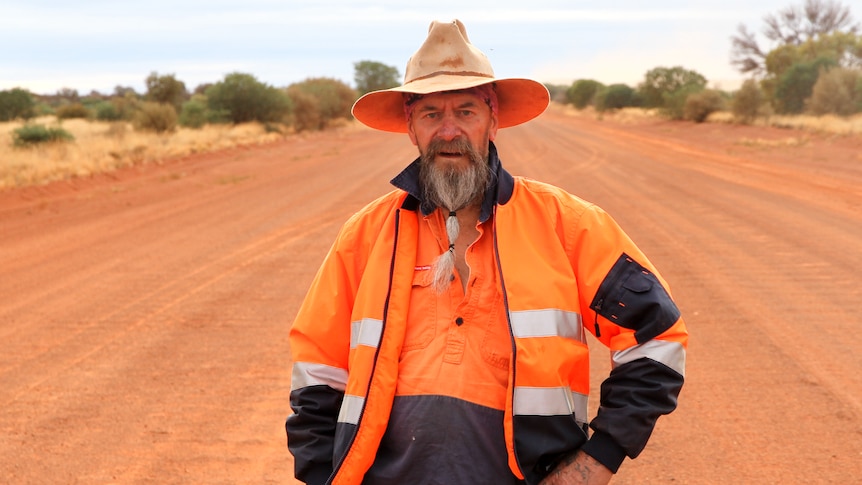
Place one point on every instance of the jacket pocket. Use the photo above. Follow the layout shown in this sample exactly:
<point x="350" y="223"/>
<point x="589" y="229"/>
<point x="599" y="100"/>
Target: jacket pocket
<point x="422" y="315"/>
<point x="632" y="297"/>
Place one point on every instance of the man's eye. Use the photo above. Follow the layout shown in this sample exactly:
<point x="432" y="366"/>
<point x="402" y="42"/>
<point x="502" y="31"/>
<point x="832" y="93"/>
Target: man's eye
<point x="466" y="112"/>
<point x="432" y="115"/>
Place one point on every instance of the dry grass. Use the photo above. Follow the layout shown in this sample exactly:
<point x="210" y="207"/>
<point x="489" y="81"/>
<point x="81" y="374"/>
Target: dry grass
<point x="838" y="125"/>
<point x="102" y="147"/>
<point x="851" y="125"/>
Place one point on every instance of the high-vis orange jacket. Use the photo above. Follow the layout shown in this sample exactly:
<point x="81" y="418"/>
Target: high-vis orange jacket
<point x="564" y="267"/>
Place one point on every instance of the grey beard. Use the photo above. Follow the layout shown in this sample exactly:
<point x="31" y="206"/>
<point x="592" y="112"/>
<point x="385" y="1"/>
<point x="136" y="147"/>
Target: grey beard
<point x="452" y="187"/>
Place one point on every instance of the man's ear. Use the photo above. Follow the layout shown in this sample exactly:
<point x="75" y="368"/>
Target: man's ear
<point x="492" y="130"/>
<point x="410" y="132"/>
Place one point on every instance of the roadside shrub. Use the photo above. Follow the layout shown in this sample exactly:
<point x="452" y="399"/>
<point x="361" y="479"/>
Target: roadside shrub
<point x="16" y="103"/>
<point x="241" y="98"/>
<point x="72" y="110"/>
<point x="334" y="98"/>
<point x="835" y="92"/>
<point x="30" y="135"/>
<point x="583" y="92"/>
<point x="306" y="110"/>
<point x="616" y="96"/>
<point x="746" y="103"/>
<point x="157" y="117"/>
<point x="698" y="106"/>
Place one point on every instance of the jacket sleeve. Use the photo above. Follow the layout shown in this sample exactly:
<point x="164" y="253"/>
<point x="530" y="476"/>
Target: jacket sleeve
<point x="320" y="343"/>
<point x="627" y="305"/>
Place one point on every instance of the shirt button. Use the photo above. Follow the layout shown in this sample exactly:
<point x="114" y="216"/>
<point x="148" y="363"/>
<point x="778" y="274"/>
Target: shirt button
<point x="459" y="321"/>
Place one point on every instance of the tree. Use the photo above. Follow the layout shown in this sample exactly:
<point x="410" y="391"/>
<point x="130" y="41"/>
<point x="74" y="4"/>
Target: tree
<point x="243" y="98"/>
<point x="373" y="76"/>
<point x="582" y="92"/>
<point x="792" y="25"/>
<point x="16" y="103"/>
<point x="166" y="89"/>
<point x="662" y="84"/>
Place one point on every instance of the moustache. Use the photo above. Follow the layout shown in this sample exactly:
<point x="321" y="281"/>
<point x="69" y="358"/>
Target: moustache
<point x="458" y="146"/>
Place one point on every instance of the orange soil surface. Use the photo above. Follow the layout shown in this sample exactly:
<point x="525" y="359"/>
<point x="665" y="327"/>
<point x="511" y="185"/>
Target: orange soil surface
<point x="144" y="314"/>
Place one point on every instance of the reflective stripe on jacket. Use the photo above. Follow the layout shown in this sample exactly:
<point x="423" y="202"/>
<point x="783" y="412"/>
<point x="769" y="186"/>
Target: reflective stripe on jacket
<point x="564" y="266"/>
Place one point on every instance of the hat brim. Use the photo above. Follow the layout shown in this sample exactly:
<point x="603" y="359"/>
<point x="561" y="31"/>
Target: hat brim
<point x="519" y="100"/>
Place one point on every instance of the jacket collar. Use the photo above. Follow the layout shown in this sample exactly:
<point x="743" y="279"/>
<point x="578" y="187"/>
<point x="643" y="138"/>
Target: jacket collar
<point x="499" y="193"/>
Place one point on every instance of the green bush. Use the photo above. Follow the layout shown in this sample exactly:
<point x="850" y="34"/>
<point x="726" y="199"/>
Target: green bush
<point x="107" y="111"/>
<point x="29" y="135"/>
<point x="698" y="106"/>
<point x="73" y="110"/>
<point x="16" y="103"/>
<point x="674" y="102"/>
<point x="157" y="117"/>
<point x="616" y="96"/>
<point x="194" y="113"/>
<point x="242" y="98"/>
<point x="747" y="103"/>
<point x="582" y="93"/>
<point x="334" y="98"/>
<point x="837" y="92"/>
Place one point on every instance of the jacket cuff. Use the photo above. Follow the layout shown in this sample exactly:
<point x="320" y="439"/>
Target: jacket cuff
<point x="605" y="450"/>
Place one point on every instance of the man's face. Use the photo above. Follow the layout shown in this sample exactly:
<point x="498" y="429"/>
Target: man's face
<point x="441" y="121"/>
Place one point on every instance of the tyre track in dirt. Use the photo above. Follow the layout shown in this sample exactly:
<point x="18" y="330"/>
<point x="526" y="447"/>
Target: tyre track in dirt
<point x="144" y="314"/>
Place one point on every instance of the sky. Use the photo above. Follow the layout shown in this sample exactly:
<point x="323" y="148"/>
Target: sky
<point x="100" y="44"/>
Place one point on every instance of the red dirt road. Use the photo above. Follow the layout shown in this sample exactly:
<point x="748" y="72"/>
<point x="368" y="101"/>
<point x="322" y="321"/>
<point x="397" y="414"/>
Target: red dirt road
<point x="144" y="315"/>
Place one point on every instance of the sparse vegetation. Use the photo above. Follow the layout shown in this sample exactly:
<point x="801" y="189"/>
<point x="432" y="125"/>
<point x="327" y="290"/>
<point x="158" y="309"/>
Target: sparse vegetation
<point x="105" y="146"/>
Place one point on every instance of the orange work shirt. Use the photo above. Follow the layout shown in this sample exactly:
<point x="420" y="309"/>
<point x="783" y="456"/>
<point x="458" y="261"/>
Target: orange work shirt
<point x="457" y="343"/>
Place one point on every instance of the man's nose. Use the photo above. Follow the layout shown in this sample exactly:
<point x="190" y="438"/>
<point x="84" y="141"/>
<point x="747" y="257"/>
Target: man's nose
<point x="449" y="129"/>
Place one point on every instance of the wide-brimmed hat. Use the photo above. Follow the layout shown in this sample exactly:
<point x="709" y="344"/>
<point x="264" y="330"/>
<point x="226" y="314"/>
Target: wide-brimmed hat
<point x="447" y="61"/>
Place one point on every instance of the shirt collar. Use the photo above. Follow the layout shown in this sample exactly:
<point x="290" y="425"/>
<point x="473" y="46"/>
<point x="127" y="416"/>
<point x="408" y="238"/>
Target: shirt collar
<point x="499" y="193"/>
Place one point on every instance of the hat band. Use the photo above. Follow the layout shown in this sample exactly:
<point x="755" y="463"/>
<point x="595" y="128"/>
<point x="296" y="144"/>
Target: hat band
<point x="451" y="73"/>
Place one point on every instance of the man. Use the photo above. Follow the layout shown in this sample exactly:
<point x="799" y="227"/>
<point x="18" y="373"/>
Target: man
<point x="444" y="338"/>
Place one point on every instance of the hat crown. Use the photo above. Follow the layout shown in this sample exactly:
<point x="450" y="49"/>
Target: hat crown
<point x="447" y="51"/>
